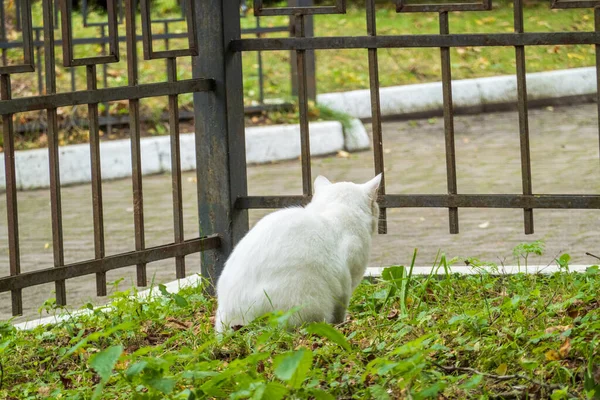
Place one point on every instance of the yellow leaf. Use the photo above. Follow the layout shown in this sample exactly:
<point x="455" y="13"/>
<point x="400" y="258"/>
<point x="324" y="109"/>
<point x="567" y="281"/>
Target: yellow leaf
<point x="575" y="55"/>
<point x="557" y="328"/>
<point x="564" y="349"/>
<point x="47" y="245"/>
<point x="502" y="368"/>
<point x="552" y="355"/>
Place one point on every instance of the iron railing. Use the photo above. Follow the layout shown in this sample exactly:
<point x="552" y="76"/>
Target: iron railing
<point x="92" y="96"/>
<point x="371" y="42"/>
<point x="104" y="38"/>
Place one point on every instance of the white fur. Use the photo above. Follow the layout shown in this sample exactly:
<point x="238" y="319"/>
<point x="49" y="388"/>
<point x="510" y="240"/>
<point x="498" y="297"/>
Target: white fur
<point x="312" y="257"/>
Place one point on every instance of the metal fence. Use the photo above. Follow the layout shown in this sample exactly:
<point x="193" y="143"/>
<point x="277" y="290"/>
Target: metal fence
<point x="103" y="39"/>
<point x="203" y="85"/>
<point x="215" y="46"/>
<point x="371" y="42"/>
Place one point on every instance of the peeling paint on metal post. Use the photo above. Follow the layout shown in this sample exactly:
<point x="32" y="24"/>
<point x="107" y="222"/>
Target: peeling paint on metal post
<point x="220" y="141"/>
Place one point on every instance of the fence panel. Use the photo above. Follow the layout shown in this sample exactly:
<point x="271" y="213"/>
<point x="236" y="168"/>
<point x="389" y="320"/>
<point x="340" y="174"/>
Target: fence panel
<point x="92" y="96"/>
<point x="371" y="42"/>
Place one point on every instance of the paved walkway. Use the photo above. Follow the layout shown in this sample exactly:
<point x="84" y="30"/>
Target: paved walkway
<point x="564" y="156"/>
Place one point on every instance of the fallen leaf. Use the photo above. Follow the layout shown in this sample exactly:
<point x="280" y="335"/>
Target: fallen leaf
<point x="502" y="368"/>
<point x="387" y="151"/>
<point x="343" y="154"/>
<point x="46" y="245"/>
<point x="558" y="328"/>
<point x="552" y="355"/>
<point x="484" y="224"/>
<point x="392" y="314"/>
<point x="564" y="349"/>
<point x="177" y="324"/>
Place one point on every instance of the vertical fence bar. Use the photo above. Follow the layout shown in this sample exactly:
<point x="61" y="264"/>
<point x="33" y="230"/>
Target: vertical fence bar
<point x="18" y="15"/>
<point x="98" y="214"/>
<point x="11" y="196"/>
<point x="38" y="61"/>
<point x="108" y="126"/>
<point x="597" y="29"/>
<point x="220" y="139"/>
<point x="376" y="112"/>
<point x="309" y="56"/>
<point x="3" y="31"/>
<point x="303" y="111"/>
<point x="175" y="167"/>
<point x="523" y="116"/>
<point x="134" y="127"/>
<point x="448" y="122"/>
<point x="166" y="29"/>
<point x="261" y="83"/>
<point x="55" y="195"/>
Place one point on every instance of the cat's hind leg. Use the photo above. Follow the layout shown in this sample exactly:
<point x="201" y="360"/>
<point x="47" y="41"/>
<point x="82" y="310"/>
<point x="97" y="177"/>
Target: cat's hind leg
<point x="339" y="310"/>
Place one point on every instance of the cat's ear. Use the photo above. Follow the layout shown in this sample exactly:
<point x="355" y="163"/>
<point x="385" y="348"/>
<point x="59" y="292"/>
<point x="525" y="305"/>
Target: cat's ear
<point x="320" y="182"/>
<point x="372" y="186"/>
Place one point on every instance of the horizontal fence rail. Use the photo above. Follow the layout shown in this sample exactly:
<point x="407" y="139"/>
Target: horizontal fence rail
<point x="528" y="200"/>
<point x="417" y="41"/>
<point x="108" y="263"/>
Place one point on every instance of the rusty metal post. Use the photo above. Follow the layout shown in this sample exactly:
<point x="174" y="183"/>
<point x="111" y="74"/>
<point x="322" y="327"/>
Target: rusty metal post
<point x="220" y="139"/>
<point x="311" y="69"/>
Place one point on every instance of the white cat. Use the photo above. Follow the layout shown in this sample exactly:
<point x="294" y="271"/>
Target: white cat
<point x="312" y="257"/>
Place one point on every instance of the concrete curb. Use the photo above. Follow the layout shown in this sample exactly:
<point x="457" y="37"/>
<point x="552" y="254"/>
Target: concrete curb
<point x="479" y="94"/>
<point x="263" y="144"/>
<point x="372" y="272"/>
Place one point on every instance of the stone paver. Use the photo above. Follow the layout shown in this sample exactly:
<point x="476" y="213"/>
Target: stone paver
<point x="564" y="155"/>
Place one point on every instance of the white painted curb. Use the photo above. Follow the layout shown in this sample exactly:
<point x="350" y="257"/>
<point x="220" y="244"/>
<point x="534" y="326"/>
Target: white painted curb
<point x="427" y="97"/>
<point x="282" y="142"/>
<point x="372" y="272"/>
<point x="263" y="144"/>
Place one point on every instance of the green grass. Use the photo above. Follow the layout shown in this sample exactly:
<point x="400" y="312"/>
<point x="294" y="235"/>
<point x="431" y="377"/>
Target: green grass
<point x="481" y="336"/>
<point x="337" y="70"/>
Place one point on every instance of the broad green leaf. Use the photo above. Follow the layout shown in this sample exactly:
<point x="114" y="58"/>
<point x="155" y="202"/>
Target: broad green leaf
<point x="104" y="362"/>
<point x="164" y="385"/>
<point x="163" y="290"/>
<point x="472" y="383"/>
<point x="274" y="391"/>
<point x="559" y="394"/>
<point x="379" y="366"/>
<point x="379" y="393"/>
<point x="180" y="301"/>
<point x="324" y="329"/>
<point x="394" y="273"/>
<point x="563" y="261"/>
<point x="431" y="392"/>
<point x="292" y="367"/>
<point x="320" y="394"/>
<point x="414" y="346"/>
<point x="135" y="369"/>
<point x="593" y="270"/>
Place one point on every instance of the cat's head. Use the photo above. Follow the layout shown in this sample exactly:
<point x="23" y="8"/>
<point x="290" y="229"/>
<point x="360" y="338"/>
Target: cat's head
<point x="358" y="196"/>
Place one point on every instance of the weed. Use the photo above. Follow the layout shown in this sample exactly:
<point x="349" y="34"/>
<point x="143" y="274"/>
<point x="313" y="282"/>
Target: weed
<point x="408" y="336"/>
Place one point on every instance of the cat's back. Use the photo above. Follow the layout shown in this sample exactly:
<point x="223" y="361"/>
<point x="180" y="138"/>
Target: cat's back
<point x="286" y="237"/>
<point x="283" y="228"/>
